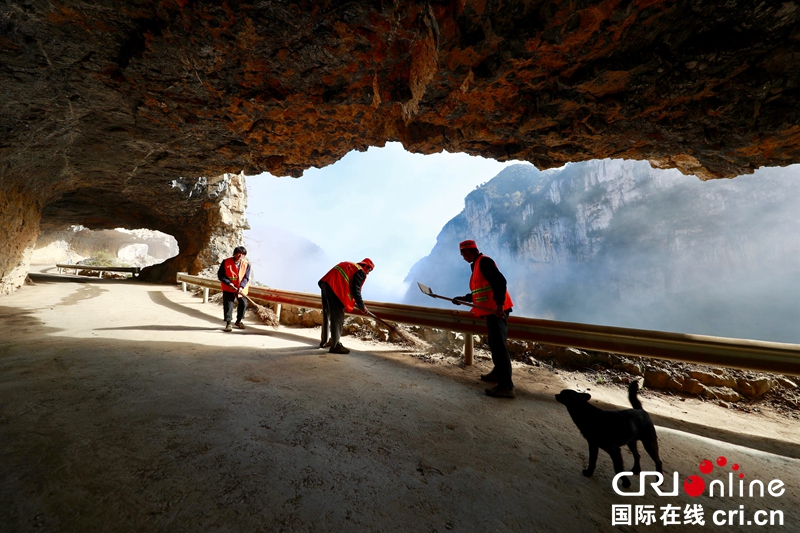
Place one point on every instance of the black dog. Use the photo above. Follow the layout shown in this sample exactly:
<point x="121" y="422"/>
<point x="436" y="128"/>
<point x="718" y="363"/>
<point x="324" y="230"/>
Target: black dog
<point x="610" y="430"/>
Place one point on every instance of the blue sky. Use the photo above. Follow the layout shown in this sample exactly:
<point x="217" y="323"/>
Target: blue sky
<point x="385" y="203"/>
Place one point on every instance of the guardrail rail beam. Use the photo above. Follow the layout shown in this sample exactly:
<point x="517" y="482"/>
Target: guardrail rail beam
<point x="763" y="356"/>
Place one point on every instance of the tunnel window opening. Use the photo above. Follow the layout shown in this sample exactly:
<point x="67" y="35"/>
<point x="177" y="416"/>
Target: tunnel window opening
<point x="113" y="247"/>
<point x="609" y="242"/>
<point x="384" y="203"/>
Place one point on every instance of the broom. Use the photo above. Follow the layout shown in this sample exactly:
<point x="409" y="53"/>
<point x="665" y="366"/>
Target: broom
<point x="406" y="337"/>
<point x="265" y="314"/>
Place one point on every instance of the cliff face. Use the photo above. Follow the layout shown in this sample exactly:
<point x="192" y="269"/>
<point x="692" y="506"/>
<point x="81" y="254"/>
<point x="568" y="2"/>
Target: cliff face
<point x="620" y="243"/>
<point x="105" y="105"/>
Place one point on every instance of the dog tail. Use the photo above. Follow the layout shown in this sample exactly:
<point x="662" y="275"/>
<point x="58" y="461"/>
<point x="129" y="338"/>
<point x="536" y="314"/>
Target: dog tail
<point x="633" y="388"/>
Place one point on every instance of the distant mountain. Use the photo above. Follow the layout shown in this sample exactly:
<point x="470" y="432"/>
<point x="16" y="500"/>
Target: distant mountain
<point x="284" y="260"/>
<point x="620" y="243"/>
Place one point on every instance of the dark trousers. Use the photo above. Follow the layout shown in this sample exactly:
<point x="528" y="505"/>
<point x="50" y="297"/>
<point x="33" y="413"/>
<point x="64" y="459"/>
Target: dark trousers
<point x="498" y="333"/>
<point x="332" y="315"/>
<point x="228" y="301"/>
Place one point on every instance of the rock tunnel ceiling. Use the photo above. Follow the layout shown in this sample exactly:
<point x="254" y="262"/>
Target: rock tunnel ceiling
<point x="113" y="110"/>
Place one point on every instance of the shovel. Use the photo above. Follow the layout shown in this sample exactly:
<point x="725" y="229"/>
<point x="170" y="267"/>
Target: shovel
<point x="427" y="290"/>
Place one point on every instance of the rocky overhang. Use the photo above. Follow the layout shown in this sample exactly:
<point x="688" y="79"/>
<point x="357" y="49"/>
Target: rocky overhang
<point x="120" y="113"/>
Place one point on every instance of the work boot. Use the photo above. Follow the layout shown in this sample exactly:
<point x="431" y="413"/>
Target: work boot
<point x="501" y="392"/>
<point x="339" y="348"/>
<point x="239" y="325"/>
<point x="491" y="377"/>
<point x="228" y="327"/>
<point x="326" y="344"/>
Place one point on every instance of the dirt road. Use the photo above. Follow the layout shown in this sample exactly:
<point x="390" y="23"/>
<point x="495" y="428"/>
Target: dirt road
<point x="124" y="407"/>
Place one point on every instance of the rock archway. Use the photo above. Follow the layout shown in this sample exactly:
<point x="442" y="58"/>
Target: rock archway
<point x="114" y="114"/>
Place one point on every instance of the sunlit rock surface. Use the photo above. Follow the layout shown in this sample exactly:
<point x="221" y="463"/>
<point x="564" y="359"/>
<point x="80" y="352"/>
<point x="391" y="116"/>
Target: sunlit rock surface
<point x="107" y="105"/>
<point x="138" y="247"/>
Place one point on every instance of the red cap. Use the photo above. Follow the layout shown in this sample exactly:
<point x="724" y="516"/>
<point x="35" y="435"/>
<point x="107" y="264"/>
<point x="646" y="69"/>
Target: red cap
<point x="467" y="244"/>
<point x="367" y="261"/>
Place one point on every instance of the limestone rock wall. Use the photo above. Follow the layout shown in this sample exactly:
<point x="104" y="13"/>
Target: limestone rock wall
<point x="213" y="233"/>
<point x="19" y="226"/>
<point x="229" y="221"/>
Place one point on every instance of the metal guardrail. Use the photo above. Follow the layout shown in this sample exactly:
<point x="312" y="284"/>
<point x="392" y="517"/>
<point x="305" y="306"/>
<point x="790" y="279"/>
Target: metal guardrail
<point x="780" y="358"/>
<point x="68" y="266"/>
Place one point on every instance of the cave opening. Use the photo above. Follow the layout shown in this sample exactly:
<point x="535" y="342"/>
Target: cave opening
<point x="121" y="247"/>
<point x="609" y="242"/>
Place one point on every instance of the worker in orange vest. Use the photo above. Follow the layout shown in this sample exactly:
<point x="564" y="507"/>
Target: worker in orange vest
<point x="341" y="291"/>
<point x="234" y="278"/>
<point x="488" y="290"/>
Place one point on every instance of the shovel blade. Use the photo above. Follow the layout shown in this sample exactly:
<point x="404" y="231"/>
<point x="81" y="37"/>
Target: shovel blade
<point x="424" y="288"/>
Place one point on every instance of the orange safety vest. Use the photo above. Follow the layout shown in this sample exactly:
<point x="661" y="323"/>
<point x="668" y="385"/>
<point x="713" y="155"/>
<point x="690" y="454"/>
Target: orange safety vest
<point x="482" y="293"/>
<point x="234" y="274"/>
<point x="339" y="280"/>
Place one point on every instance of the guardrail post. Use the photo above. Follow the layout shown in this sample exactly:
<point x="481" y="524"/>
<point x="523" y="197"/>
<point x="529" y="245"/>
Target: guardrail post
<point x="183" y="286"/>
<point x="278" y="311"/>
<point x="469" y="347"/>
<point x="205" y="295"/>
